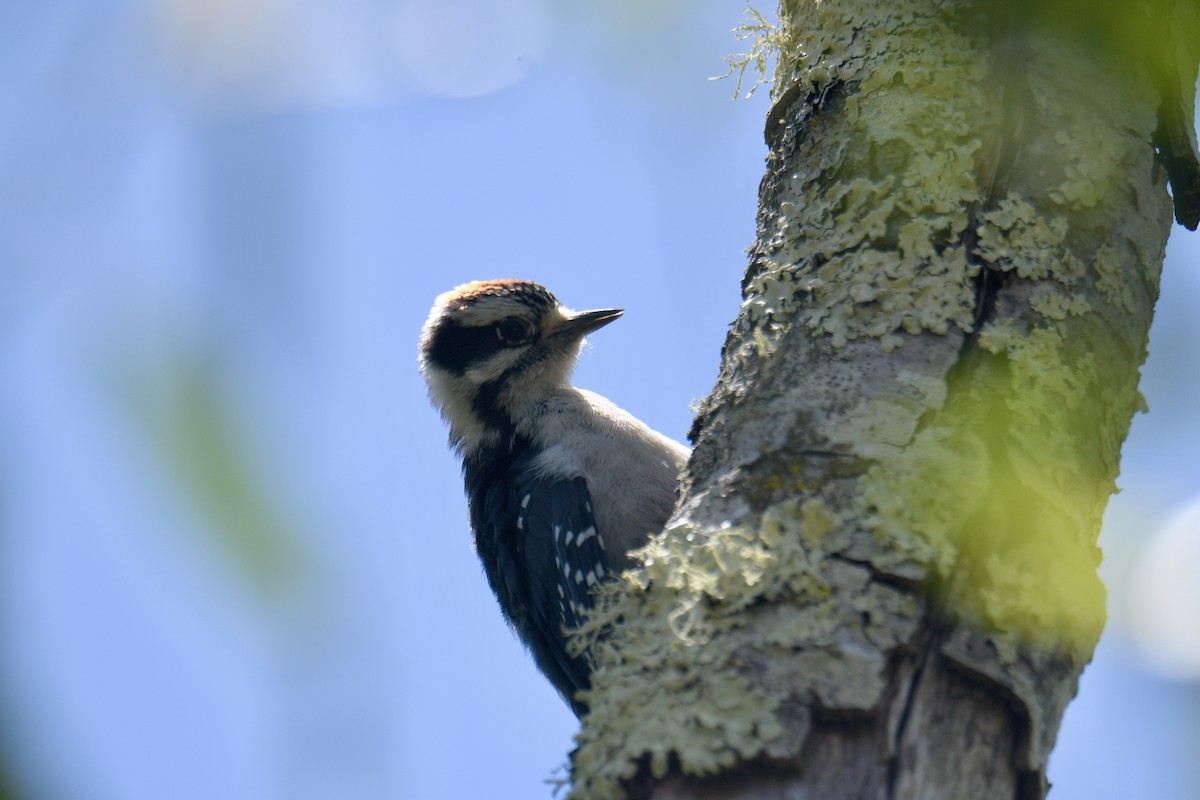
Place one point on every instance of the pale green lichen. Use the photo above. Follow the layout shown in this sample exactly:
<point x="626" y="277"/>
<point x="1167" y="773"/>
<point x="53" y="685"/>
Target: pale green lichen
<point x="833" y="230"/>
<point x="1086" y="183"/>
<point x="766" y="39"/>
<point x="879" y="230"/>
<point x="1016" y="236"/>
<point x="1111" y="280"/>
<point x="1056" y="397"/>
<point x="915" y="503"/>
<point x="1063" y="394"/>
<point x="700" y="711"/>
<point x="1053" y="304"/>
<point x="970" y="454"/>
<point x="949" y="499"/>
<point x="691" y="597"/>
<point x="1063" y="374"/>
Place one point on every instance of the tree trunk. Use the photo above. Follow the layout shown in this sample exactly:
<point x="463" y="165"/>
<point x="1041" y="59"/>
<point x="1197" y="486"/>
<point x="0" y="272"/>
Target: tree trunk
<point x="881" y="582"/>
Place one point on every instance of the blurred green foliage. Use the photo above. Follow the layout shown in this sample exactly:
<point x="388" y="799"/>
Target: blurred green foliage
<point x="193" y="427"/>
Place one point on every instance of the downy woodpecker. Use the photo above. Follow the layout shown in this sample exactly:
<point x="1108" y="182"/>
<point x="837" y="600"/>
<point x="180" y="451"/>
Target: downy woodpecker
<point x="560" y="483"/>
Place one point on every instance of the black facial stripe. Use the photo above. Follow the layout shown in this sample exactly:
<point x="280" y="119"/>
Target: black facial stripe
<point x="486" y="403"/>
<point x="486" y="406"/>
<point x="455" y="348"/>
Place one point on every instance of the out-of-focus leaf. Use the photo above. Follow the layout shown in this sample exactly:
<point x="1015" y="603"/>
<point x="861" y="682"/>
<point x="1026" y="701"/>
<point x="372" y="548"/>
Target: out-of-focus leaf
<point x="194" y="429"/>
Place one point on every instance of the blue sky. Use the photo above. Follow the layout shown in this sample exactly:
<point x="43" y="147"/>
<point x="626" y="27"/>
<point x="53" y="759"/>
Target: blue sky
<point x="234" y="559"/>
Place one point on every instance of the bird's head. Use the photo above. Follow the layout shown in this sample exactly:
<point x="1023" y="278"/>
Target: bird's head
<point x="490" y="349"/>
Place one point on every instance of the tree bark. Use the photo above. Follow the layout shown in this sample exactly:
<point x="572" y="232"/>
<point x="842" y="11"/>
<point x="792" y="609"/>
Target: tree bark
<point x="881" y="582"/>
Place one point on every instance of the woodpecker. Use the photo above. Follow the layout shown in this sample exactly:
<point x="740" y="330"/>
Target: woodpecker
<point x="561" y="484"/>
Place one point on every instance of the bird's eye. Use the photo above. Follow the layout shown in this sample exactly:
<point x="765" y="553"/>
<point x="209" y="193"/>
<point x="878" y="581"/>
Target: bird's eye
<point x="514" y="330"/>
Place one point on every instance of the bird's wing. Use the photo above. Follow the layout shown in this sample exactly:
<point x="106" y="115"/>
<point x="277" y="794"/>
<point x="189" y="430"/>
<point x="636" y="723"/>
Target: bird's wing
<point x="556" y="529"/>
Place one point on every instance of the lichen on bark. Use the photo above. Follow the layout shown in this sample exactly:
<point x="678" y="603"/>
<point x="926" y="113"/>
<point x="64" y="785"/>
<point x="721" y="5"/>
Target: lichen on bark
<point x="900" y="475"/>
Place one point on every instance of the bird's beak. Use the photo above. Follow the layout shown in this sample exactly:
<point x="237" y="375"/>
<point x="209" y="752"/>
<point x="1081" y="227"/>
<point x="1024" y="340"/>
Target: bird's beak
<point x="582" y="323"/>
